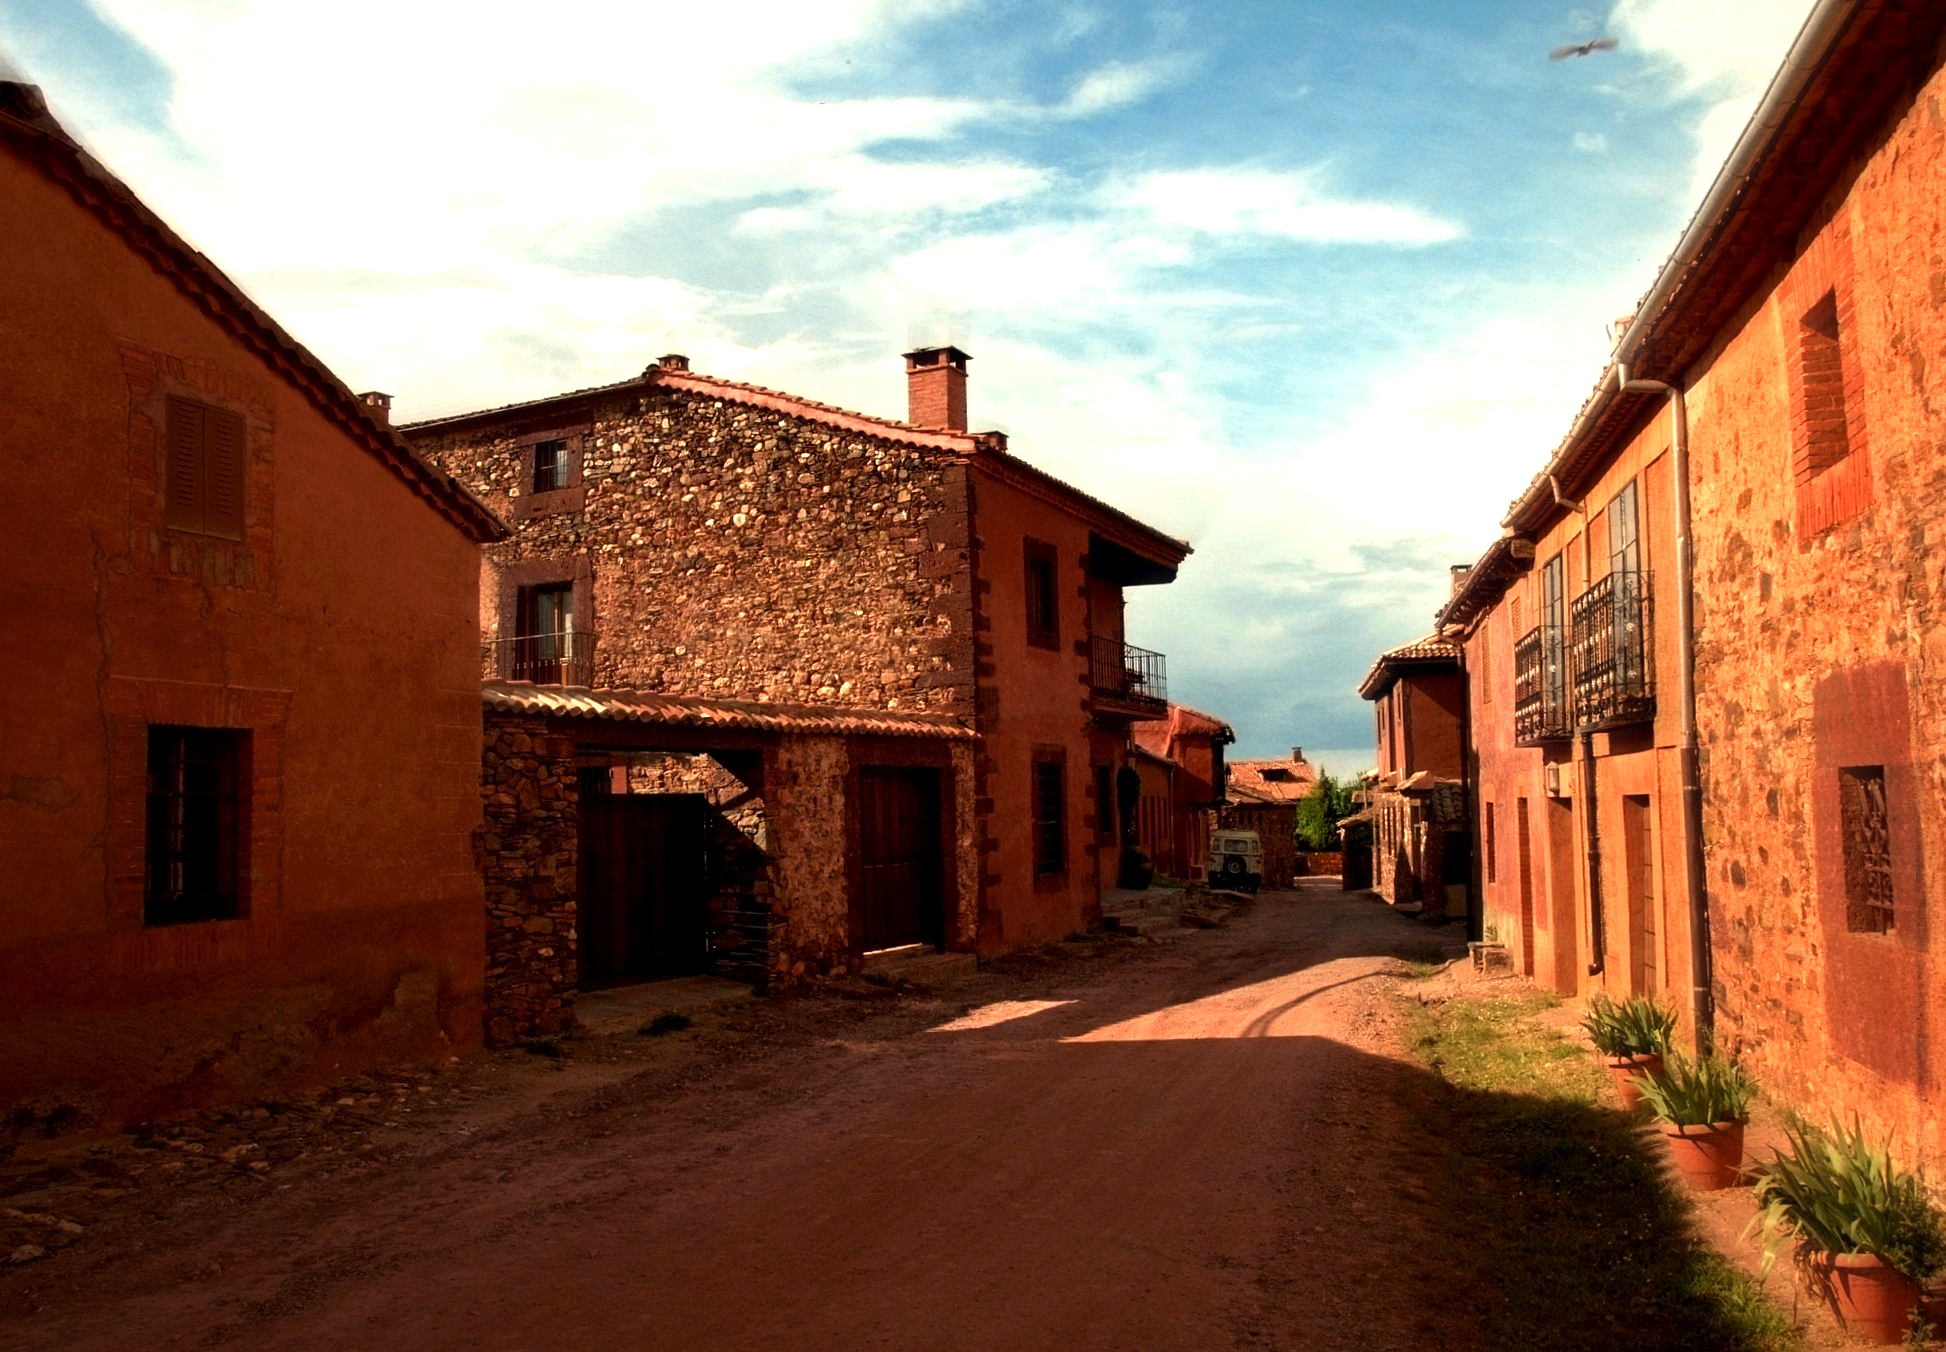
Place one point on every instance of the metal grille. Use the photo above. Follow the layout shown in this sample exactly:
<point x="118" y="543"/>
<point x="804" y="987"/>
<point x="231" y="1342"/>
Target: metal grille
<point x="565" y="658"/>
<point x="1129" y="674"/>
<point x="1613" y="670"/>
<point x="1540" y="686"/>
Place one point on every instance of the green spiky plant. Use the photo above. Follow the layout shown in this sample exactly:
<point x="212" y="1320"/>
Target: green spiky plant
<point x="1637" y="1026"/>
<point x="1698" y="1091"/>
<point x="1839" y="1193"/>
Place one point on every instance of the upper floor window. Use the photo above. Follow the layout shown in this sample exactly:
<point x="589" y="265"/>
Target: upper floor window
<point x="1050" y="816"/>
<point x="1625" y="531"/>
<point x="203" y="480"/>
<point x="1043" y="594"/>
<point x="550" y="465"/>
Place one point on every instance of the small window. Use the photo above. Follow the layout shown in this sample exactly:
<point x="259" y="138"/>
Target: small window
<point x="197" y="808"/>
<point x="1868" y="849"/>
<point x="1050" y="818"/>
<point x="203" y="480"/>
<point x="1826" y="439"/>
<point x="1043" y="595"/>
<point x="545" y="645"/>
<point x="1277" y="774"/>
<point x="550" y="465"/>
<point x="1490" y="845"/>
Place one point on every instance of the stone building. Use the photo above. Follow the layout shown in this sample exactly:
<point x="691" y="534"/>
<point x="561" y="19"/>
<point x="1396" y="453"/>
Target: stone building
<point x="241" y="769"/>
<point x="698" y="539"/>
<point x="1263" y="796"/>
<point x="1418" y="808"/>
<point x="1775" y="401"/>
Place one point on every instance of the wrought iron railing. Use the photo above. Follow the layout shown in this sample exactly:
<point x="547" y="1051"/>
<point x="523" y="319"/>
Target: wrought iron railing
<point x="1540" y="686"/>
<point x="1129" y="674"/>
<point x="1614" y="659"/>
<point x="566" y="658"/>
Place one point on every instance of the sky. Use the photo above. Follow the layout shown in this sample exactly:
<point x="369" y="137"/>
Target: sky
<point x="1317" y="287"/>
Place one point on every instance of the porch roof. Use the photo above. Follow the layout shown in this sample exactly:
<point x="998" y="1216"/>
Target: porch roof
<point x="683" y="711"/>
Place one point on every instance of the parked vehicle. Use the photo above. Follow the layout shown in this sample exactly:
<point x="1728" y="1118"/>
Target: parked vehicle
<point x="1236" y="860"/>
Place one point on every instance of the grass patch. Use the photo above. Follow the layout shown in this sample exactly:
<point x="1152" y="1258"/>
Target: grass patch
<point x="1562" y="1226"/>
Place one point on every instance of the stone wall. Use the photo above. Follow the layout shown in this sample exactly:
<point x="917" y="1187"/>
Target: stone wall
<point x="1821" y="649"/>
<point x="736" y="551"/>
<point x="528" y="860"/>
<point x="1274" y="824"/>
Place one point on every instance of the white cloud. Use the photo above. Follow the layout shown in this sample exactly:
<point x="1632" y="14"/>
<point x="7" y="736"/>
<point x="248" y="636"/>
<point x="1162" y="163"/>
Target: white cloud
<point x="1229" y="201"/>
<point x="1591" y="143"/>
<point x="1120" y="84"/>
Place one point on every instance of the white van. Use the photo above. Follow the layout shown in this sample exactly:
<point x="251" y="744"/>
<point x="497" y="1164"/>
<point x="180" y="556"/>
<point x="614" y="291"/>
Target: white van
<point x="1236" y="860"/>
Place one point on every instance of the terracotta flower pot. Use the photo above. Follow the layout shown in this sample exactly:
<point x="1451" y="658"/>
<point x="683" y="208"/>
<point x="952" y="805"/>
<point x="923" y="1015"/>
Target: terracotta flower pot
<point x="1626" y="1070"/>
<point x="1709" y="1157"/>
<point x="1874" y="1300"/>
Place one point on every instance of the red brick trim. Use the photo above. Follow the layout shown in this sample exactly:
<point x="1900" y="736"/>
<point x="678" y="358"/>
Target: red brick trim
<point x="569" y="498"/>
<point x="1830" y="461"/>
<point x="132" y="705"/>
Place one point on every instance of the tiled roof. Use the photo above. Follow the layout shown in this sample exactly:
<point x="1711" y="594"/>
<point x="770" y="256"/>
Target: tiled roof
<point x="987" y="449"/>
<point x="681" y="711"/>
<point x="1248" y="778"/>
<point x="26" y="123"/>
<point x="1430" y="649"/>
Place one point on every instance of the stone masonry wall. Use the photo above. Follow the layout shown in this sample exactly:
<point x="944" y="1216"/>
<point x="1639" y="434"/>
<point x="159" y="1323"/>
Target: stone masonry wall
<point x="528" y="859"/>
<point x="1821" y="648"/>
<point x="735" y="551"/>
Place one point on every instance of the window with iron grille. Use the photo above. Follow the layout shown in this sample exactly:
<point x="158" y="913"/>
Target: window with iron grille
<point x="1554" y="644"/>
<point x="1050" y="817"/>
<point x="203" y="479"/>
<point x="550" y="465"/>
<point x="1043" y="595"/>
<point x="196" y="824"/>
<point x="1868" y="850"/>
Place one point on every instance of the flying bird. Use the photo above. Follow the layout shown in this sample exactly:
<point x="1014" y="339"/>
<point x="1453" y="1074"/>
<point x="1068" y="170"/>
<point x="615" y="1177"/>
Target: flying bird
<point x="1603" y="44"/>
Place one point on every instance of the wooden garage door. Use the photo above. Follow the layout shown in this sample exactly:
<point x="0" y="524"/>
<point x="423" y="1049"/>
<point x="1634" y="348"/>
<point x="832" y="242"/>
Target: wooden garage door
<point x="898" y="832"/>
<point x="642" y="915"/>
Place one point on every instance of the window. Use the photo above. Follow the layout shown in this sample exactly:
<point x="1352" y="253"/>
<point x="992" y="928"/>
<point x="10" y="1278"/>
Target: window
<point x="1050" y="817"/>
<point x="1554" y="645"/>
<point x="544" y="634"/>
<point x="1825" y="439"/>
<point x="196" y="824"/>
<point x="1277" y="774"/>
<point x="1105" y="800"/>
<point x="550" y="465"/>
<point x="1868" y="849"/>
<point x="1492" y="869"/>
<point x="1485" y="651"/>
<point x="1043" y="595"/>
<point x="203" y="479"/>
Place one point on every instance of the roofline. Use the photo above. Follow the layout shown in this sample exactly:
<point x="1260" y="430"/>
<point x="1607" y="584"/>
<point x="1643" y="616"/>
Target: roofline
<point x="1779" y="110"/>
<point x="25" y="119"/>
<point x="703" y="713"/>
<point x="1485" y="582"/>
<point x="986" y="450"/>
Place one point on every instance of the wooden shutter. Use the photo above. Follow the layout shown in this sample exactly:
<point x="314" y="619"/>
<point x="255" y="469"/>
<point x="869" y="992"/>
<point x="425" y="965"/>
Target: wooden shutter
<point x="183" y="477"/>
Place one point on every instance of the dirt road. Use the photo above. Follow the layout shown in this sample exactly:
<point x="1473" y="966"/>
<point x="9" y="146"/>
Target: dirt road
<point x="1182" y="1145"/>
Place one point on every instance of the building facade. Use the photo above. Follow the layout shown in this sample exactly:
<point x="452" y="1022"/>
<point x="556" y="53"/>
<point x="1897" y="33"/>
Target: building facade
<point x="243" y="762"/>
<point x="1187" y="751"/>
<point x="1263" y="797"/>
<point x="686" y="536"/>
<point x="1417" y="813"/>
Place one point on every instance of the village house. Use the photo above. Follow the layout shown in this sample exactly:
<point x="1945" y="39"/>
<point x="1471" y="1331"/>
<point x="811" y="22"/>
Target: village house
<point x="1420" y="853"/>
<point x="1180" y="760"/>
<point x="1263" y="797"/>
<point x="1707" y="703"/>
<point x="242" y="765"/>
<point x="729" y="557"/>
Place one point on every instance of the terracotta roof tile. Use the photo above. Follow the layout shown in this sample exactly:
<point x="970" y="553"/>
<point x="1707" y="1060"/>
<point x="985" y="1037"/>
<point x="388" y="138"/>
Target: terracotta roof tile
<point x="640" y="706"/>
<point x="1256" y="778"/>
<point x="1429" y="649"/>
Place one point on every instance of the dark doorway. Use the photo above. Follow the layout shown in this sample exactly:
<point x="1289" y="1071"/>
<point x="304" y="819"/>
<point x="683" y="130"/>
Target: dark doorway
<point x="898" y="846"/>
<point x="642" y="914"/>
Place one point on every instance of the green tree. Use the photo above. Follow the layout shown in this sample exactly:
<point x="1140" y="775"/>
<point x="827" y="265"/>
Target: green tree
<point x="1318" y="814"/>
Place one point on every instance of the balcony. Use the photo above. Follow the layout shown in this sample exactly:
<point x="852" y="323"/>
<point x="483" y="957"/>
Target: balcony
<point x="1128" y="680"/>
<point x="566" y="658"/>
<point x="1614" y="662"/>
<point x="1540" y="687"/>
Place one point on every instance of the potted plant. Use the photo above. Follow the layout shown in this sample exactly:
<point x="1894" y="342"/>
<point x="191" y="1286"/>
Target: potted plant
<point x="1702" y="1104"/>
<point x="1867" y="1231"/>
<point x="1631" y="1036"/>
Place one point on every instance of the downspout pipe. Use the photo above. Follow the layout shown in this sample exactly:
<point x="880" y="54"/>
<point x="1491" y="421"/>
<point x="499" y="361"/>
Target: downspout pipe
<point x="1597" y="916"/>
<point x="1702" y="1000"/>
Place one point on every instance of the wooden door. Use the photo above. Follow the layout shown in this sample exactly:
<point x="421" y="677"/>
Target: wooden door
<point x="898" y="838"/>
<point x="642" y="914"/>
<point x="1638" y="860"/>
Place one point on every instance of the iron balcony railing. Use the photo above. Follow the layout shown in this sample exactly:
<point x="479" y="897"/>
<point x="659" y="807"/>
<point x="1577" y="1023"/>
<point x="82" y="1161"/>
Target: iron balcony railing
<point x="1614" y="668"/>
<point x="1540" y="686"/>
<point x="1129" y="675"/>
<point x="566" y="658"/>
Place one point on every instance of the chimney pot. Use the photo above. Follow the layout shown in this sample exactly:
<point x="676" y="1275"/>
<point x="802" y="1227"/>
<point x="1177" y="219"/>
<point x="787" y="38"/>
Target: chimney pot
<point x="1297" y="753"/>
<point x="935" y="387"/>
<point x="674" y="361"/>
<point x="379" y="405"/>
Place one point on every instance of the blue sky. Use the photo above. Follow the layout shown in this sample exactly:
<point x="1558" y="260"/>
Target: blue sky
<point x="1316" y="286"/>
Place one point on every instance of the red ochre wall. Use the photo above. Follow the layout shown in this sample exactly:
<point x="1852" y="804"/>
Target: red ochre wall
<point x="1031" y="699"/>
<point x="341" y="630"/>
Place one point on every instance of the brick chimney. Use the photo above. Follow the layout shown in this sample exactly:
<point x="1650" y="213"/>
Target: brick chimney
<point x="673" y="361"/>
<point x="1297" y="754"/>
<point x="378" y="404"/>
<point x="1458" y="574"/>
<point x="935" y="387"/>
